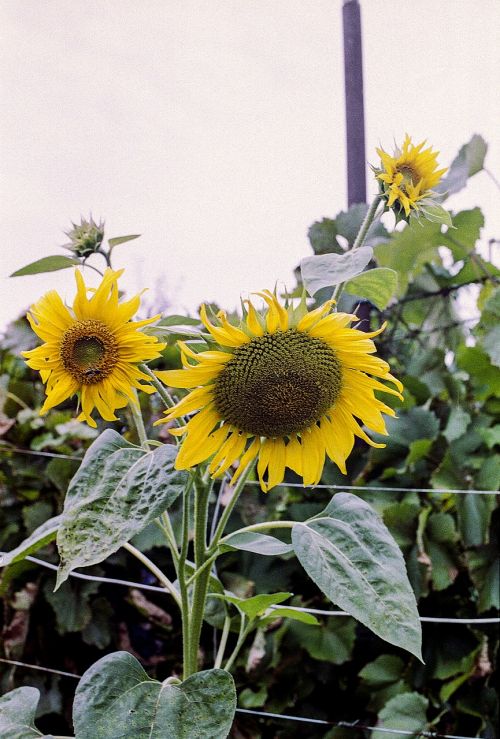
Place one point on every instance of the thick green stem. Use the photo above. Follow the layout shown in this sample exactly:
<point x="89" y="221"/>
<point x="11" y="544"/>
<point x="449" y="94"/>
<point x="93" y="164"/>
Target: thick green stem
<point x="186" y="611"/>
<point x="229" y="508"/>
<point x="161" y="577"/>
<point x="161" y="389"/>
<point x="200" y="589"/>
<point x="135" y="411"/>
<point x="360" y="238"/>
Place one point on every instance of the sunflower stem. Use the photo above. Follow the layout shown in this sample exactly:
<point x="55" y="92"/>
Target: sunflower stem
<point x="360" y="238"/>
<point x="135" y="411"/>
<point x="200" y="589"/>
<point x="160" y="576"/>
<point x="162" y="391"/>
<point x="186" y="613"/>
<point x="238" y="488"/>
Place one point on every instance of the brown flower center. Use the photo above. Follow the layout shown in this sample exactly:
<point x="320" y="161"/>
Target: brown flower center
<point x="278" y="384"/>
<point x="89" y="351"/>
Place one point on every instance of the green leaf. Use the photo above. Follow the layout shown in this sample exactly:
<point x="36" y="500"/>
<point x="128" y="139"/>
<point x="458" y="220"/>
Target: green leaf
<point x="42" y="536"/>
<point x="176" y="320"/>
<point x="117" y="491"/>
<point x="323" y="237"/>
<point x="491" y="344"/>
<point x="384" y="670"/>
<point x="376" y="285"/>
<point x="258" y="604"/>
<point x="458" y="420"/>
<point x="47" y="264"/>
<point x="468" y="162"/>
<point x="331" y="642"/>
<point x="122" y="239"/>
<point x="353" y="559"/>
<point x="17" y="714"/>
<point x="250" y="541"/>
<point x="328" y="270"/>
<point x="283" y="612"/>
<point x="117" y="698"/>
<point x="70" y="604"/>
<point x="436" y="214"/>
<point x="404" y="712"/>
<point x="462" y="239"/>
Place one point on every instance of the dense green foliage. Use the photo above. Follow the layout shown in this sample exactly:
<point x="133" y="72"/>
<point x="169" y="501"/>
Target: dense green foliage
<point x="445" y="438"/>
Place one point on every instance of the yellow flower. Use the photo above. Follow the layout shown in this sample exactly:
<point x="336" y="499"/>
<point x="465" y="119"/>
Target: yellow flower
<point x="93" y="349"/>
<point x="285" y="387"/>
<point x="408" y="176"/>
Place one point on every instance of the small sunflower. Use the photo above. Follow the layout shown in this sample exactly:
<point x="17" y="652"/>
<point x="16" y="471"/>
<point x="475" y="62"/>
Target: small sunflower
<point x="407" y="177"/>
<point x="285" y="387"/>
<point x="92" y="350"/>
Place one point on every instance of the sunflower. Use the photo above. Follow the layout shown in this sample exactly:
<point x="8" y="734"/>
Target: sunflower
<point x="407" y="177"/>
<point x="285" y="387"/>
<point x="92" y="350"/>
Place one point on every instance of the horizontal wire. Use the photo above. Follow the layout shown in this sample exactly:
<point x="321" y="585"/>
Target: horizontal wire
<point x="375" y="488"/>
<point x="265" y="714"/>
<point x="302" y="609"/>
<point x="351" y="725"/>
<point x="39" y="667"/>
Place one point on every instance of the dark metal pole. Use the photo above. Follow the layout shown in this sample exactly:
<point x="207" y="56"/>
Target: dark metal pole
<point x="354" y="108"/>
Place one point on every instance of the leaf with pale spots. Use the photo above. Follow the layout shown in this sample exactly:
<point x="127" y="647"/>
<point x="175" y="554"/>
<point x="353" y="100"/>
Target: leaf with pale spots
<point x="117" y="491"/>
<point x="351" y="556"/>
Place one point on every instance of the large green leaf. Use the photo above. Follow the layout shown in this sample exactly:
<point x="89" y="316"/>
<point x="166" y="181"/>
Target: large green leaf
<point x="117" y="491"/>
<point x="47" y="264"/>
<point x="116" y="698"/>
<point x="17" y="714"/>
<point x="351" y="556"/>
<point x="40" y="537"/>
<point x="327" y="270"/>
<point x="376" y="285"/>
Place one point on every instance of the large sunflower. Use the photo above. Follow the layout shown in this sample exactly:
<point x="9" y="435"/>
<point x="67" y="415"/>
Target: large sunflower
<point x="92" y="350"/>
<point x="409" y="175"/>
<point x="286" y="387"/>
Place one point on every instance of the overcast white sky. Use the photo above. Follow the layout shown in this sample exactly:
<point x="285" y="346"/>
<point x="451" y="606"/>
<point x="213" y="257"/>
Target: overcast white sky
<point x="216" y="128"/>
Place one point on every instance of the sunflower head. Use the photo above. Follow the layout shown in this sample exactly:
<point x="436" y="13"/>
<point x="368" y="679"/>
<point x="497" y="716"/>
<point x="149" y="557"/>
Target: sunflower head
<point x="407" y="178"/>
<point x="286" y="386"/>
<point x="91" y="349"/>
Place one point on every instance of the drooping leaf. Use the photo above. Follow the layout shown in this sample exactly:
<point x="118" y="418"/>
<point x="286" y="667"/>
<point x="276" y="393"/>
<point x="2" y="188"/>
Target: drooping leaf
<point x="250" y="541"/>
<point x="122" y="239"/>
<point x="328" y="270"/>
<point x="469" y="161"/>
<point x="376" y="285"/>
<point x="46" y="264"/>
<point x="291" y="613"/>
<point x="117" y="491"/>
<point x="42" y="536"/>
<point x="117" y="698"/>
<point x="351" y="556"/>
<point x="17" y="714"/>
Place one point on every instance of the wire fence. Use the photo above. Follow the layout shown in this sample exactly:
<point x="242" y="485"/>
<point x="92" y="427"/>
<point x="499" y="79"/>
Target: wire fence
<point x="355" y="725"/>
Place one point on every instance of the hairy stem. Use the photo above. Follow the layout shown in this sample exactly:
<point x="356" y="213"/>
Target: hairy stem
<point x="230" y="506"/>
<point x="161" y="389"/>
<point x="360" y="238"/>
<point x="135" y="411"/>
<point x="223" y="641"/>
